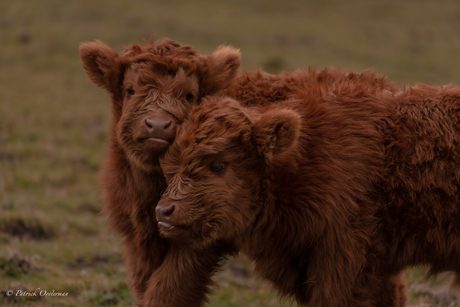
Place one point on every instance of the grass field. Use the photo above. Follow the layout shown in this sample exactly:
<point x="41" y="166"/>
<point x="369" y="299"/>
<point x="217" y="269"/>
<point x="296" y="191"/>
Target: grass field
<point x="54" y="121"/>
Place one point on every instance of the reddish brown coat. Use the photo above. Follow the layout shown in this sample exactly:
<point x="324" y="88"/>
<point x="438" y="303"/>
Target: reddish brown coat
<point x="152" y="86"/>
<point x="331" y="192"/>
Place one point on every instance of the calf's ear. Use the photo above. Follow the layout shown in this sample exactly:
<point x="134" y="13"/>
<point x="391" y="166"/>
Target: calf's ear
<point x="276" y="131"/>
<point x="219" y="70"/>
<point x="98" y="60"/>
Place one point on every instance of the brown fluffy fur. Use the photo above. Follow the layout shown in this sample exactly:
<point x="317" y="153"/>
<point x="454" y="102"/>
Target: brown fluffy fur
<point x="331" y="192"/>
<point x="154" y="81"/>
<point x="160" y="80"/>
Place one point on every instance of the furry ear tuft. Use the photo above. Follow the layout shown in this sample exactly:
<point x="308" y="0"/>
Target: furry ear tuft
<point x="98" y="60"/>
<point x="220" y="70"/>
<point x="276" y="131"/>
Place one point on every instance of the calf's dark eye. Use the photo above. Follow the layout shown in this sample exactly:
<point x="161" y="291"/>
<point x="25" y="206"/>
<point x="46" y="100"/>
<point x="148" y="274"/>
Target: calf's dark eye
<point x="189" y="97"/>
<point x="130" y="91"/>
<point x="217" y="168"/>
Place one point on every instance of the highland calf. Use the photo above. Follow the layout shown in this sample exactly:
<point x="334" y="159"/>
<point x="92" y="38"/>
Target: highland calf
<point x="331" y="193"/>
<point x="153" y="88"/>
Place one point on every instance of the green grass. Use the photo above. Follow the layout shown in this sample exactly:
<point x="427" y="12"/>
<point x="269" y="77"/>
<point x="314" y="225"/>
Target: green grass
<point x="54" y="121"/>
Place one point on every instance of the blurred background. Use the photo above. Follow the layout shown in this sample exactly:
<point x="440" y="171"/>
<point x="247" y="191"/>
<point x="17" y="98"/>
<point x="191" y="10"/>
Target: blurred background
<point x="54" y="120"/>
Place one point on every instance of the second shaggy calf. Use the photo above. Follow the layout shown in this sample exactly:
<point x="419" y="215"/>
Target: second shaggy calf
<point x="331" y="194"/>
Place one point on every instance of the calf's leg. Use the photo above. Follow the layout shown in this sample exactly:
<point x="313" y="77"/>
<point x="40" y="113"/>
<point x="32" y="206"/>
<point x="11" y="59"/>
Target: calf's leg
<point x="184" y="278"/>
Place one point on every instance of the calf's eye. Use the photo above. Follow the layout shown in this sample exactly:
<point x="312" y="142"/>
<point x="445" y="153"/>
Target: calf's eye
<point x="217" y="167"/>
<point x="130" y="91"/>
<point x="189" y="97"/>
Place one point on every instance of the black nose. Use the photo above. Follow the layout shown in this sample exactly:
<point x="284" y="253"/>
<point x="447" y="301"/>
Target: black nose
<point x="164" y="211"/>
<point x="160" y="128"/>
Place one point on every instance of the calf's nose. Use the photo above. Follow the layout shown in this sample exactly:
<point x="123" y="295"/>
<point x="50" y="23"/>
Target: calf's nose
<point x="160" y="128"/>
<point x="164" y="211"/>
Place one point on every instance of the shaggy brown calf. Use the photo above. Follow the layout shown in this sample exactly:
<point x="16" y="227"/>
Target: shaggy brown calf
<point x="153" y="87"/>
<point x="331" y="194"/>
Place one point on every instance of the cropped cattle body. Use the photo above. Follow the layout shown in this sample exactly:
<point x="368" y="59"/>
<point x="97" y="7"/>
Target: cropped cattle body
<point x="331" y="194"/>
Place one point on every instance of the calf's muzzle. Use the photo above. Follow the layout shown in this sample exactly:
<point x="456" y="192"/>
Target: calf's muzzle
<point x="160" y="128"/>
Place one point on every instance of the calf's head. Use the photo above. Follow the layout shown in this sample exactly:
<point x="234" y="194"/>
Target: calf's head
<point x="216" y="170"/>
<point x="153" y="88"/>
